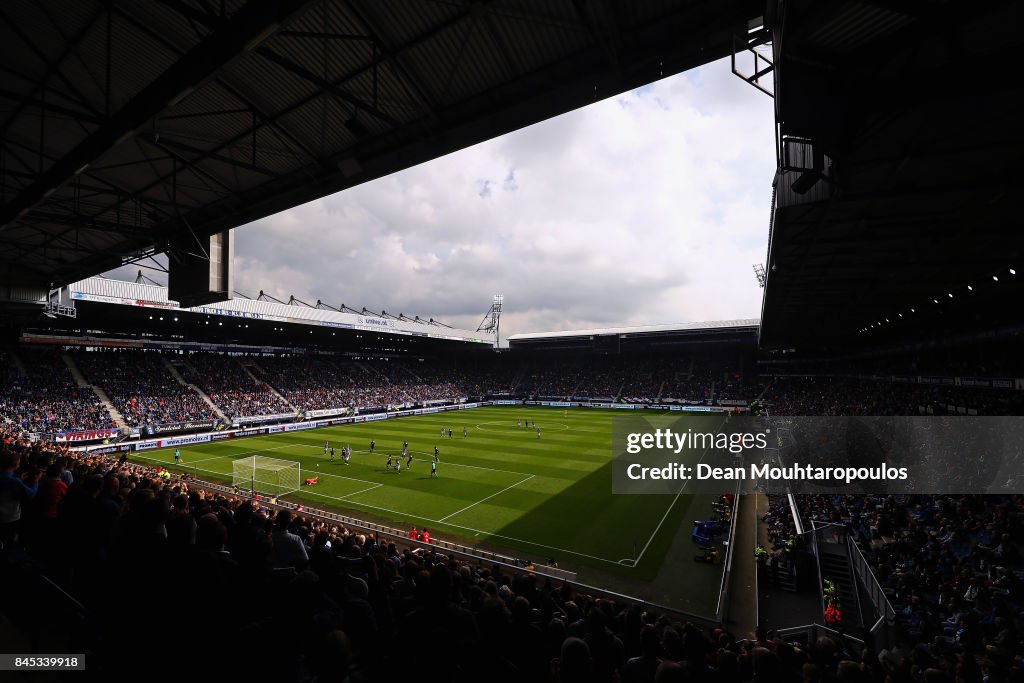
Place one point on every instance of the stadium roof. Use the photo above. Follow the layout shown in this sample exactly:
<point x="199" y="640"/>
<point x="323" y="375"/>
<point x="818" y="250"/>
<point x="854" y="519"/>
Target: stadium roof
<point x="641" y="330"/>
<point x="118" y="292"/>
<point x="897" y="199"/>
<point x="131" y="126"/>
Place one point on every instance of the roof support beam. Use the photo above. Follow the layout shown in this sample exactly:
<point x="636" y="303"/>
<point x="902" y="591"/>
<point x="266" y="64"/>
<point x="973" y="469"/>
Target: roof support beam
<point x="284" y="136"/>
<point x="333" y="89"/>
<point x="393" y="55"/>
<point x="50" y="108"/>
<point x="252" y="25"/>
<point x="52" y="67"/>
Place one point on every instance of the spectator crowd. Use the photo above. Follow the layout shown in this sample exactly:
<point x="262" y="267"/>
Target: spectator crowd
<point x="271" y="593"/>
<point x="141" y="388"/>
<point x="239" y="587"/>
<point x="45" y="398"/>
<point x="232" y="388"/>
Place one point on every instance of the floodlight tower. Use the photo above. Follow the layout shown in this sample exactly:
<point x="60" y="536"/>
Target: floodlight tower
<point x="492" y="320"/>
<point x="762" y="277"/>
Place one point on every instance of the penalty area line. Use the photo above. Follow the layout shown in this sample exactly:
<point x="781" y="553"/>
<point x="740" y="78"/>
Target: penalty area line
<point x="369" y="488"/>
<point x="682" y="488"/>
<point x="452" y="525"/>
<point x="482" y="500"/>
<point x="464" y="528"/>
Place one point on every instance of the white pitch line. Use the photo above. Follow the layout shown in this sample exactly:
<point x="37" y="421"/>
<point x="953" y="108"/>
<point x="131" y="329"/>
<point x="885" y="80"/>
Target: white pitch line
<point x="665" y="516"/>
<point x="186" y="464"/>
<point x="229" y="455"/>
<point x="426" y="519"/>
<point x="218" y="457"/>
<point x="487" y="498"/>
<point x="371" y="488"/>
<point x="466" y="528"/>
<point x="262" y="450"/>
<point x="658" y="528"/>
<point x="437" y="521"/>
<point x="340" y="476"/>
<point x="197" y="469"/>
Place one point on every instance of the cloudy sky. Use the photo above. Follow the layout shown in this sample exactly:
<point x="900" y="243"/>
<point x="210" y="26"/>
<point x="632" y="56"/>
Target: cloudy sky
<point x="649" y="207"/>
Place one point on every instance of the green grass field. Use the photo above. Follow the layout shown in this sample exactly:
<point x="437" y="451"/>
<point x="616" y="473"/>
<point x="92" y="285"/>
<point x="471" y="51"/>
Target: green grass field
<point x="500" y="487"/>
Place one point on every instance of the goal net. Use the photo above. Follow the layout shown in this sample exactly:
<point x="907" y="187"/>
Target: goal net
<point x="269" y="476"/>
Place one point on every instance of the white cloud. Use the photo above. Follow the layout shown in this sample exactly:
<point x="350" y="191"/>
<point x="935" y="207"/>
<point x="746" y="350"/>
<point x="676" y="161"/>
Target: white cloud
<point x="648" y="207"/>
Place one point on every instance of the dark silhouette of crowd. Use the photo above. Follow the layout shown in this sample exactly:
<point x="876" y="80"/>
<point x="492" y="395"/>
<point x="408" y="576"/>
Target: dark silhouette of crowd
<point x="157" y="562"/>
<point x="952" y="568"/>
<point x="834" y="396"/>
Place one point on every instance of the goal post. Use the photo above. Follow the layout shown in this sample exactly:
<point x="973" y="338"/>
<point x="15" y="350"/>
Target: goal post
<point x="268" y="476"/>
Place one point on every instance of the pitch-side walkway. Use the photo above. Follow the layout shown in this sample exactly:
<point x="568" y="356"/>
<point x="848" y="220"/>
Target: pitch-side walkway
<point x="741" y="617"/>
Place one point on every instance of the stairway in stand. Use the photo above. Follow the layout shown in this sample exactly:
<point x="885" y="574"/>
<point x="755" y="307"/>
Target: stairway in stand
<point x="83" y="383"/>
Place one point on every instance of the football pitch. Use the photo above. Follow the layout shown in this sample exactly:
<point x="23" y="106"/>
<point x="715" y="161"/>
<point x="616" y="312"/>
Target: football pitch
<point x="499" y="487"/>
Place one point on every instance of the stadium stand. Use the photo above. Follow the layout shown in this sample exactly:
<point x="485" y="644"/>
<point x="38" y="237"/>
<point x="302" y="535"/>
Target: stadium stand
<point x="232" y="388"/>
<point x="844" y="396"/>
<point x="950" y="564"/>
<point x="426" y="382"/>
<point x="331" y="383"/>
<point x="319" y="383"/>
<point x="895" y="135"/>
<point x="141" y="388"/>
<point x="498" y="380"/>
<point x="952" y="568"/>
<point x="45" y="399"/>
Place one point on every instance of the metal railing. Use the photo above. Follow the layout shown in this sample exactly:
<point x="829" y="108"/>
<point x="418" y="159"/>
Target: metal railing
<point x="723" y="589"/>
<point x="815" y="631"/>
<point x="884" y="612"/>
<point x="390" y="532"/>
<point x="817" y="564"/>
<point x="794" y="509"/>
<point x="753" y="552"/>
